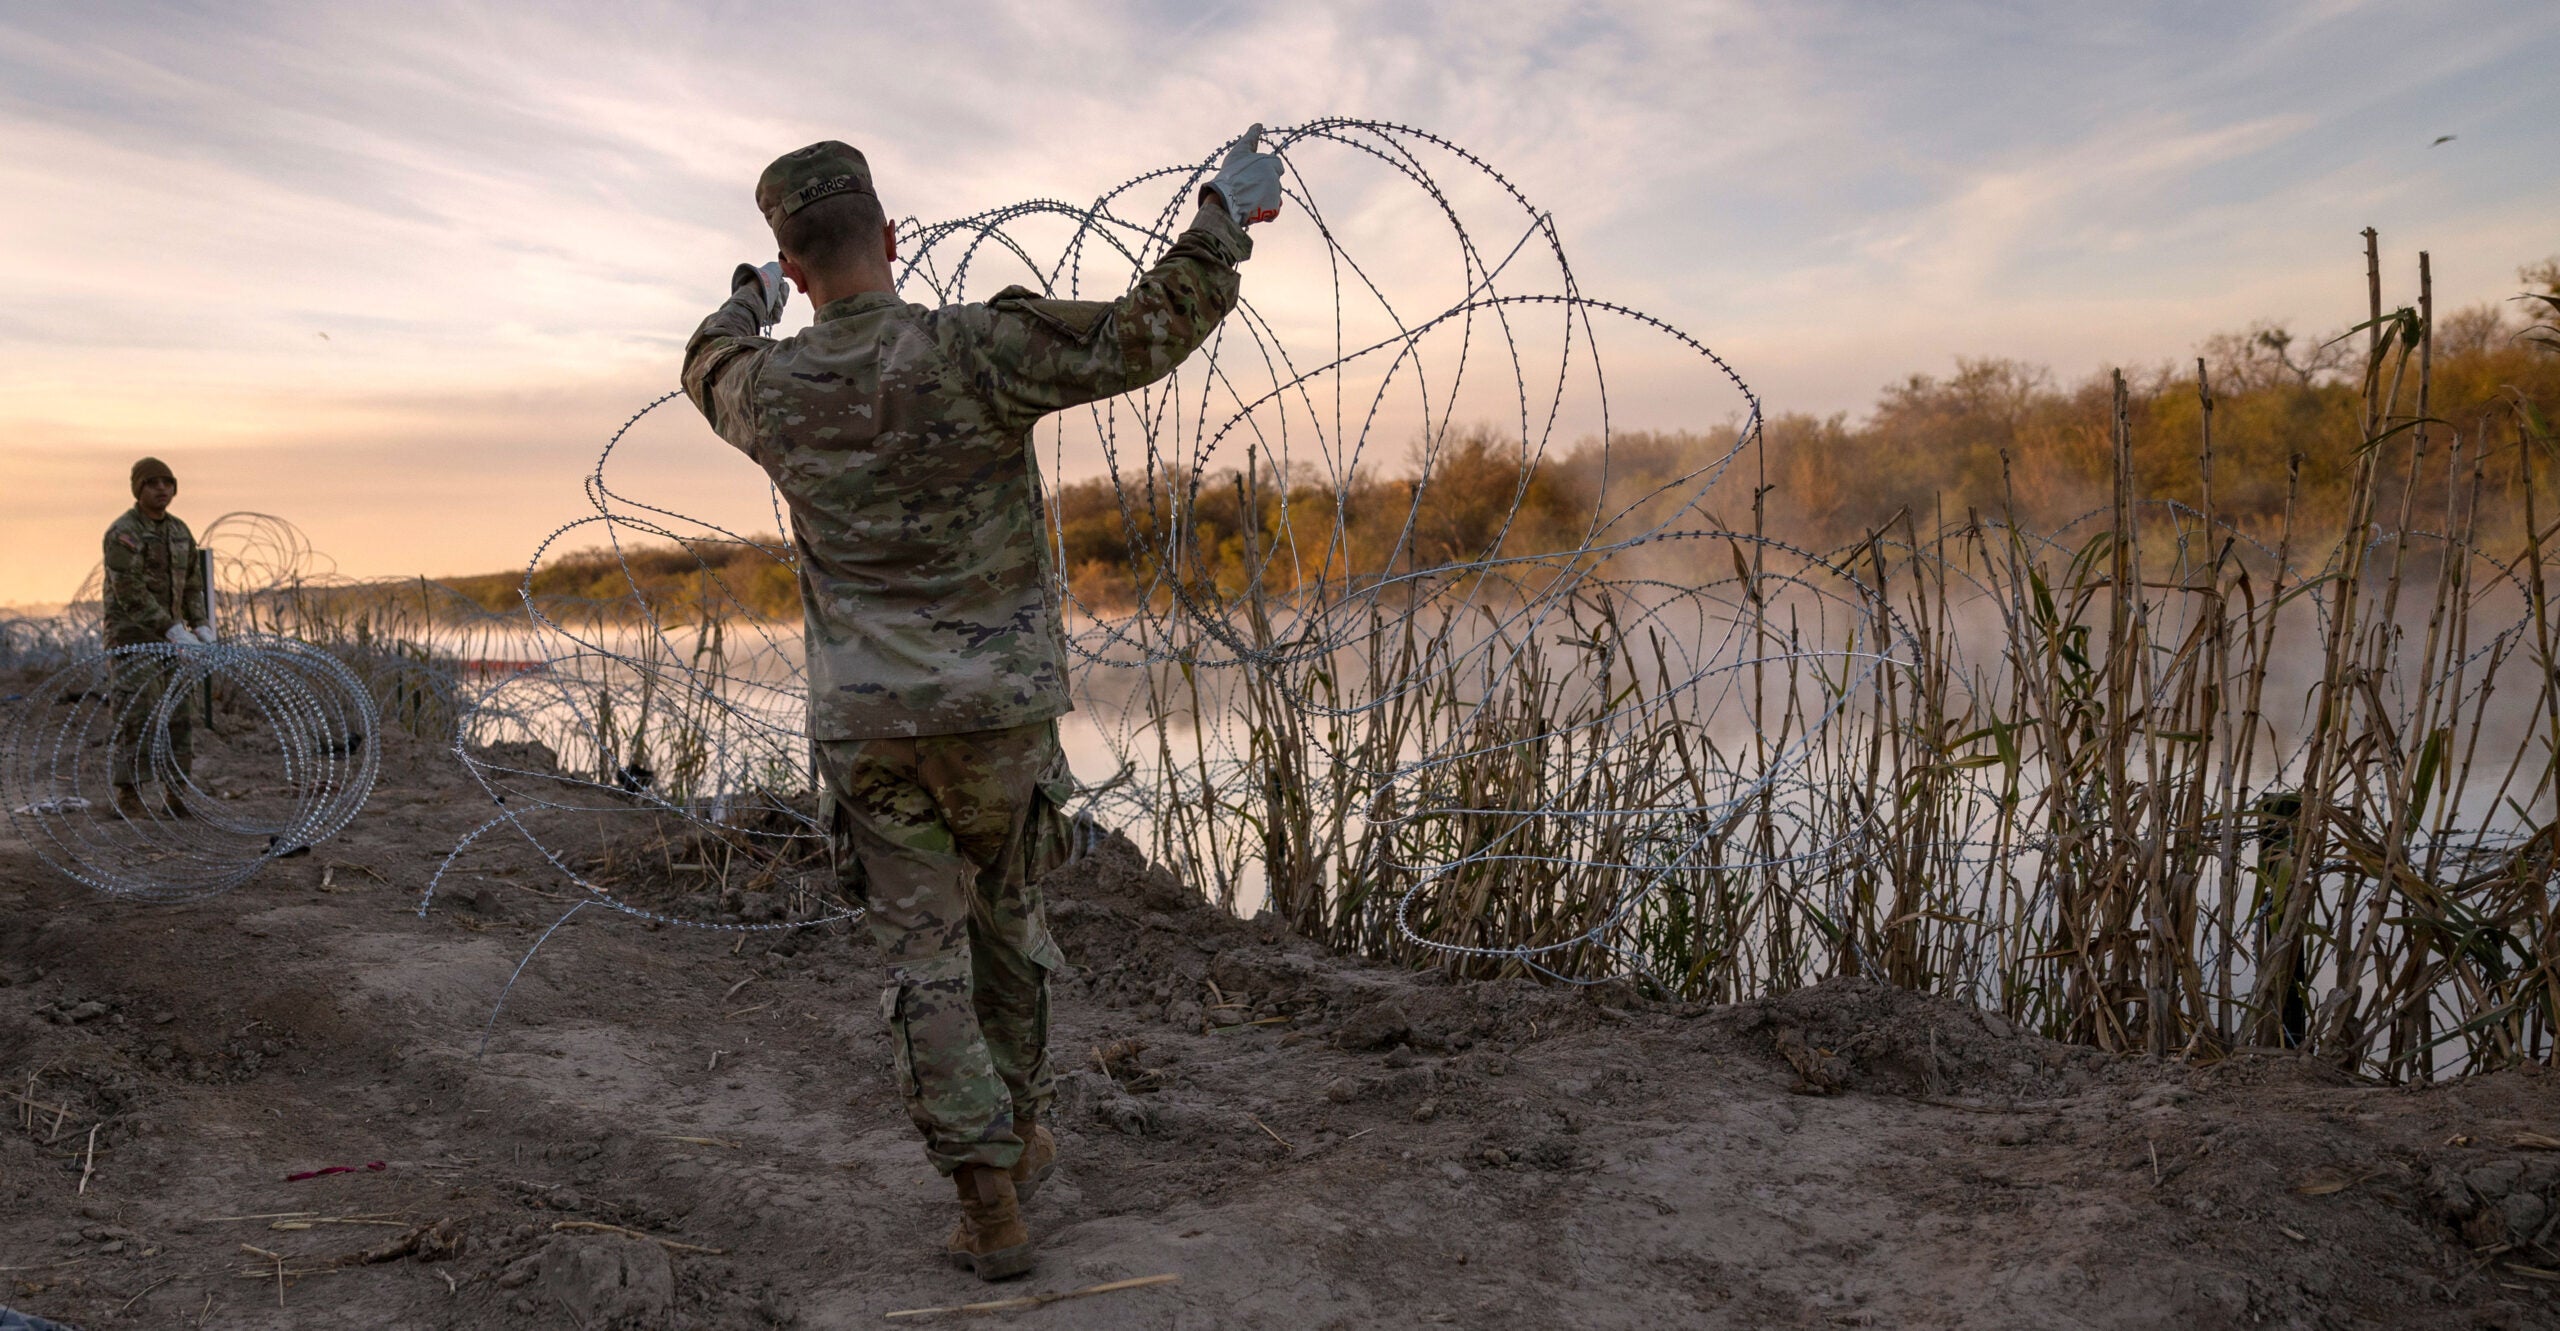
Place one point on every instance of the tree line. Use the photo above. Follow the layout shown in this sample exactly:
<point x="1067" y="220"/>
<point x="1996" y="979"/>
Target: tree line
<point x="1996" y="438"/>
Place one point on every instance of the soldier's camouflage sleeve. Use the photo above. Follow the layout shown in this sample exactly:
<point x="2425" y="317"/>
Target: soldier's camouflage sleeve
<point x="1031" y="356"/>
<point x="191" y="601"/>
<point x="128" y="602"/>
<point x="720" y="370"/>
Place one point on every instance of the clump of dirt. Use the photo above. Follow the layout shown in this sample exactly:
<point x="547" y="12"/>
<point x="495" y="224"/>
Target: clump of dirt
<point x="518" y="757"/>
<point x="1160" y="948"/>
<point x="1862" y="1034"/>
<point x="282" y="1095"/>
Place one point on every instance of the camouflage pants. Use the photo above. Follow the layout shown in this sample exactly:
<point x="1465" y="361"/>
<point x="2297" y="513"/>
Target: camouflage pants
<point x="952" y="833"/>
<point x="140" y="683"/>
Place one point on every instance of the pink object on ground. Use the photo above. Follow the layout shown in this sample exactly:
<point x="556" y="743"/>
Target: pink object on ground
<point x="368" y="1166"/>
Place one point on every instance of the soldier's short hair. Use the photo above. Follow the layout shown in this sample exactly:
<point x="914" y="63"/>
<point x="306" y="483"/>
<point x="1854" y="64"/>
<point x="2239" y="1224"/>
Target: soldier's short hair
<point x="833" y="232"/>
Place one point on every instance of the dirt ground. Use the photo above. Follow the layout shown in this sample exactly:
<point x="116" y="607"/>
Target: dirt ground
<point x="678" y="1128"/>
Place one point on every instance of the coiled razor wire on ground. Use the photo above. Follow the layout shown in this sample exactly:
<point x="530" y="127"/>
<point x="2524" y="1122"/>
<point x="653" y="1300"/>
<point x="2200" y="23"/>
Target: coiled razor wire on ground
<point x="306" y="763"/>
<point x="299" y="780"/>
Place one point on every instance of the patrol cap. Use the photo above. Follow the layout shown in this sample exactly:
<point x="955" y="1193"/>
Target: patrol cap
<point x="819" y="171"/>
<point x="150" y="469"/>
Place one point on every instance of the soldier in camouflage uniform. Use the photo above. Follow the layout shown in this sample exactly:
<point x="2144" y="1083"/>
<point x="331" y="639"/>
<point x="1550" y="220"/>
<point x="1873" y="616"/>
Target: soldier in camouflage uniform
<point x="154" y="592"/>
<point x="900" y="437"/>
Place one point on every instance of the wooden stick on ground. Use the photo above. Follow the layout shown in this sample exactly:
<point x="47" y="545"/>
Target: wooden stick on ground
<point x="290" y="1272"/>
<point x="34" y="1105"/>
<point x="1266" y="1128"/>
<point x="89" y="1159"/>
<point x="278" y="1259"/>
<point x="1039" y="1300"/>
<point x="137" y="1298"/>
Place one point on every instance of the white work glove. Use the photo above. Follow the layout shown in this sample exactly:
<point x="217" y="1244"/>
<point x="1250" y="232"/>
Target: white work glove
<point x="204" y="634"/>
<point x="773" y="290"/>
<point x="182" y="636"/>
<point x="1249" y="181"/>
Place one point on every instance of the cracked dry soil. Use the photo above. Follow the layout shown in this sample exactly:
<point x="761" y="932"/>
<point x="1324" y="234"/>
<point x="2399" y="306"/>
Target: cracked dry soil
<point x="677" y="1128"/>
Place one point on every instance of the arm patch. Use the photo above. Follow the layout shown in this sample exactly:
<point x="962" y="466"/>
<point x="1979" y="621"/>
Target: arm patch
<point x="1075" y="320"/>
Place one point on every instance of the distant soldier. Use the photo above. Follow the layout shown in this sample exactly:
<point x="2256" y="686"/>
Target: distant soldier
<point x="155" y="592"/>
<point x="901" y="438"/>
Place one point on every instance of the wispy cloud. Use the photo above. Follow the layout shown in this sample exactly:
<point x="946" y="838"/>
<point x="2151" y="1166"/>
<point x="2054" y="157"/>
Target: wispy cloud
<point x="504" y="218"/>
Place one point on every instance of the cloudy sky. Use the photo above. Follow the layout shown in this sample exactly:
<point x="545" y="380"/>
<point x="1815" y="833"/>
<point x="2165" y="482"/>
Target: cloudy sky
<point x="394" y="272"/>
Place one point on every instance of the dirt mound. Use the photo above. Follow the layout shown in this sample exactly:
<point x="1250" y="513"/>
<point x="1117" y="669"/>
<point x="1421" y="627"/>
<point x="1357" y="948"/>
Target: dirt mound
<point x="1860" y="1034"/>
<point x="1146" y="942"/>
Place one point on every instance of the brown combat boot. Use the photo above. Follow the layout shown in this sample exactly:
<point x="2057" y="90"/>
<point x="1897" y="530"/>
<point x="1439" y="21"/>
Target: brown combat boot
<point x="1039" y="1157"/>
<point x="129" y="803"/>
<point x="177" y="807"/>
<point x="991" y="1239"/>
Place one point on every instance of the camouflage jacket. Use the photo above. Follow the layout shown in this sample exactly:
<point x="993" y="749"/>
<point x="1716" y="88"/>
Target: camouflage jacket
<point x="153" y="579"/>
<point x="900" y="437"/>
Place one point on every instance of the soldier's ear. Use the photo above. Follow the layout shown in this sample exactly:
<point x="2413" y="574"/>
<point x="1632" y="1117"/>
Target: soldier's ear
<point x="889" y="241"/>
